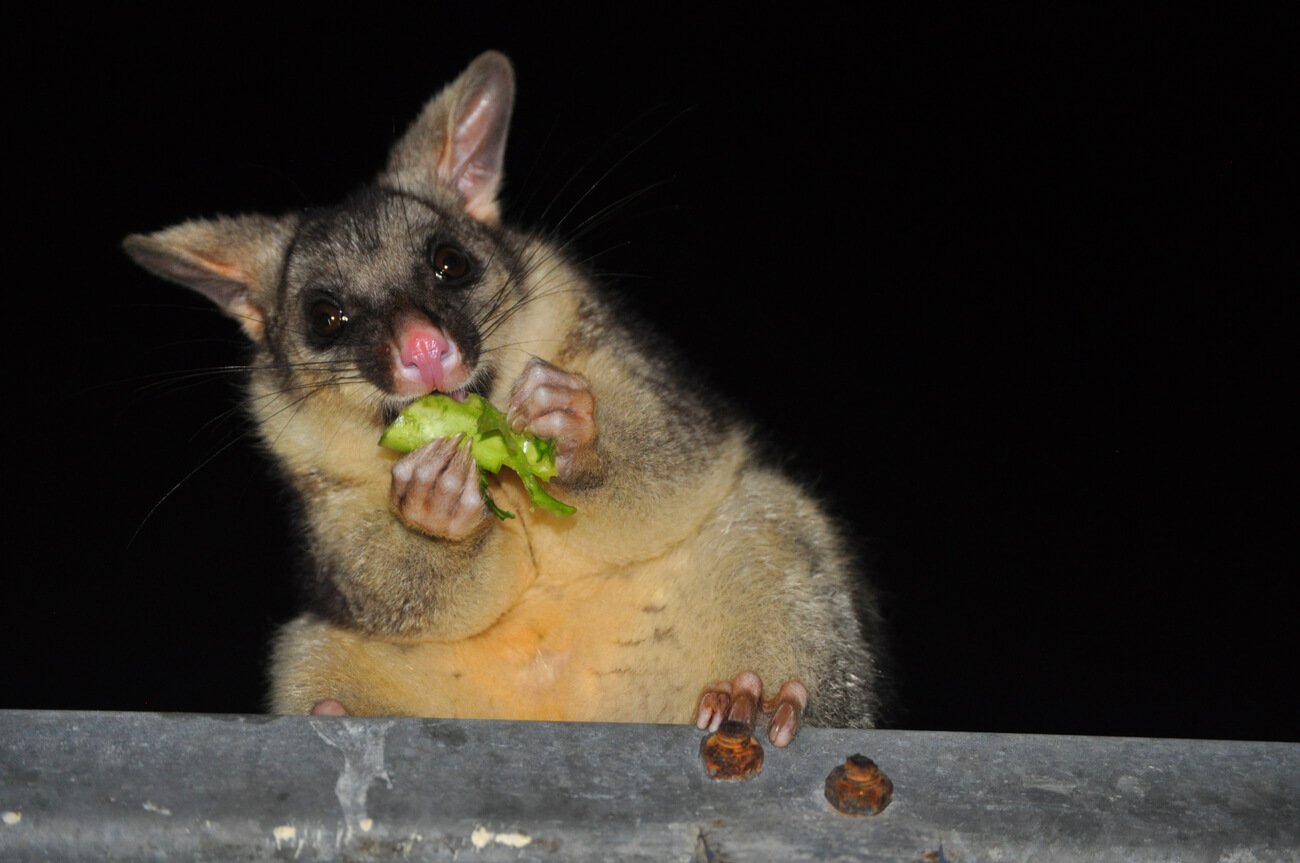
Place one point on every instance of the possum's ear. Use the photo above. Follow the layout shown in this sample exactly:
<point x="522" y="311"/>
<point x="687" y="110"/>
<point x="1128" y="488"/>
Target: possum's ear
<point x="236" y="263"/>
<point x="459" y="140"/>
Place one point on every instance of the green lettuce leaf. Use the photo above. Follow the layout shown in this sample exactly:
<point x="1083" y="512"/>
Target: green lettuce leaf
<point x="493" y="444"/>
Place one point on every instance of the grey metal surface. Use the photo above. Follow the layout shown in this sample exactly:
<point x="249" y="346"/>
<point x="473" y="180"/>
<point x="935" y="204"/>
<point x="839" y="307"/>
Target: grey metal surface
<point x="103" y="786"/>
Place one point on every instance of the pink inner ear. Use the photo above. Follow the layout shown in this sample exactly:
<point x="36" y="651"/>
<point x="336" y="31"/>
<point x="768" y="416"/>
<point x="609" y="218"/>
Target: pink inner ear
<point x="230" y="291"/>
<point x="472" y="157"/>
<point x="228" y="271"/>
<point x="458" y="142"/>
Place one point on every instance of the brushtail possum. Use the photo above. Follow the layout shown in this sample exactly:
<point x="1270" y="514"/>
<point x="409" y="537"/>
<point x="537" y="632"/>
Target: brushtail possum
<point x="695" y="583"/>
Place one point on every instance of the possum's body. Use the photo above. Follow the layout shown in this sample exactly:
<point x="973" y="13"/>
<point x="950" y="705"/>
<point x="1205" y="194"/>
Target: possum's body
<point x="688" y="562"/>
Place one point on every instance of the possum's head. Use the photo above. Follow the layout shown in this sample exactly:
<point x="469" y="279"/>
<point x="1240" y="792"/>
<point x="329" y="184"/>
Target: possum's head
<point x="397" y="292"/>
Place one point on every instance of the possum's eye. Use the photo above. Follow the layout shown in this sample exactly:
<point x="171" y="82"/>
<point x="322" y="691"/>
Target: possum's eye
<point x="326" y="319"/>
<point x="450" y="264"/>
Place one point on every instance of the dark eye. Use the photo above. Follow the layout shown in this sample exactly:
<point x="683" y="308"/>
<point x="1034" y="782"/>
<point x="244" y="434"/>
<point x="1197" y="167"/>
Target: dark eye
<point x="326" y="319"/>
<point x="449" y="263"/>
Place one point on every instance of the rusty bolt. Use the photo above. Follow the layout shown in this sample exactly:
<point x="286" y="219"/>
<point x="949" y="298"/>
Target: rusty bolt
<point x="731" y="752"/>
<point x="859" y="787"/>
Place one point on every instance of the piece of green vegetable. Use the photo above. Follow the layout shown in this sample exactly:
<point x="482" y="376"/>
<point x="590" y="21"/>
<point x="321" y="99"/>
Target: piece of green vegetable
<point x="492" y="443"/>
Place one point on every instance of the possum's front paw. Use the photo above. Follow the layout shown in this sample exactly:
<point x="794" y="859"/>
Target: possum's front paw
<point x="741" y="699"/>
<point x="436" y="490"/>
<point x="556" y="404"/>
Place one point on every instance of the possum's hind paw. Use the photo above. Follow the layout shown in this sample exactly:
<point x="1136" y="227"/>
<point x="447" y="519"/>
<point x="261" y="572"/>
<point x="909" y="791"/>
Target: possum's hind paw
<point x="328" y="707"/>
<point x="741" y="699"/>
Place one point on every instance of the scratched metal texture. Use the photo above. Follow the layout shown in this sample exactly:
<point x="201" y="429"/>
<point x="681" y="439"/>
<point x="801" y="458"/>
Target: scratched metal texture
<point x="137" y="786"/>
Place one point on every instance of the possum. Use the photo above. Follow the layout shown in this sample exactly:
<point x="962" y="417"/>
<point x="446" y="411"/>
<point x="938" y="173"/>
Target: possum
<point x="696" y="583"/>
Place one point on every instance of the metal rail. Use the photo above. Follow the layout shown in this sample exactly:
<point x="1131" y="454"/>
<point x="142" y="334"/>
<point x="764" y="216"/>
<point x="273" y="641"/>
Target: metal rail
<point x="138" y="786"/>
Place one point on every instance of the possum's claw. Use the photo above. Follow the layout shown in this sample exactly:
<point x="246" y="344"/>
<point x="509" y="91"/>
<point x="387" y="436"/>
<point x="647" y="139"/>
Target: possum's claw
<point x="787" y="709"/>
<point x="741" y="698"/>
<point x="730" y="699"/>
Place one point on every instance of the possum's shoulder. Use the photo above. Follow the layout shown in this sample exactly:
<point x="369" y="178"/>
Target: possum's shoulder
<point x="618" y="341"/>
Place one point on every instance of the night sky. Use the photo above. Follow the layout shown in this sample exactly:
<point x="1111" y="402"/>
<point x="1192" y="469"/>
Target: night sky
<point x="1016" y="298"/>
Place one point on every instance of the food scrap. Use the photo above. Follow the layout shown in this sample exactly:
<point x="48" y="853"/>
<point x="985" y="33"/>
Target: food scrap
<point x="493" y="444"/>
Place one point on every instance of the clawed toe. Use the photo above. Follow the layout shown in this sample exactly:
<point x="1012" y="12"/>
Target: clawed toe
<point x="741" y="699"/>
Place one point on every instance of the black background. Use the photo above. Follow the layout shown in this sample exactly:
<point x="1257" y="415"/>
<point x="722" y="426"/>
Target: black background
<point x="1016" y="296"/>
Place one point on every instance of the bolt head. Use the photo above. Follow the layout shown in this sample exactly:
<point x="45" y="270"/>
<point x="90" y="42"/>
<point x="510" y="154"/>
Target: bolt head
<point x="731" y="752"/>
<point x="859" y="787"/>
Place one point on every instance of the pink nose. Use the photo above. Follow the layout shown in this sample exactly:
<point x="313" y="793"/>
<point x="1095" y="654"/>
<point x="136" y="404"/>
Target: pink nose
<point x="425" y="353"/>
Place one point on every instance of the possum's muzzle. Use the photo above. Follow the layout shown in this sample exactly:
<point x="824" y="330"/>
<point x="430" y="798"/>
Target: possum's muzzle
<point x="426" y="359"/>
